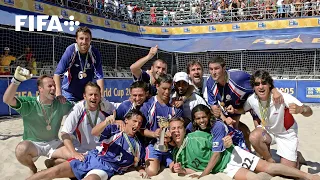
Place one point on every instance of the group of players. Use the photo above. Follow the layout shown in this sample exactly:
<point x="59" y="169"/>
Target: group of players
<point x="101" y="138"/>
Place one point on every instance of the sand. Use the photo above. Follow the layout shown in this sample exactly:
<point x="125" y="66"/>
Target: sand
<point x="11" y="134"/>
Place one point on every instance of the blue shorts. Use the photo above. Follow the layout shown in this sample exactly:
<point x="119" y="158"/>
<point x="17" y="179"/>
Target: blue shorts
<point x="80" y="169"/>
<point x="165" y="158"/>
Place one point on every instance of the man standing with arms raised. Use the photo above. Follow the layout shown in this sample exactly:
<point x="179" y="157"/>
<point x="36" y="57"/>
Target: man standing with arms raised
<point x="80" y="64"/>
<point x="41" y="117"/>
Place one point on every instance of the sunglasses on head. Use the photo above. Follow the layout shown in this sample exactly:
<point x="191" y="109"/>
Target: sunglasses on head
<point x="258" y="83"/>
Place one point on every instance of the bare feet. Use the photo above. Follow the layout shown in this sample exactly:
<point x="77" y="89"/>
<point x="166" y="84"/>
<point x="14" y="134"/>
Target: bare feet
<point x="32" y="172"/>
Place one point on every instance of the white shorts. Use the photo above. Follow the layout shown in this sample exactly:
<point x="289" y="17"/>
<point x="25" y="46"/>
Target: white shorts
<point x="240" y="159"/>
<point x="287" y="144"/>
<point x="46" y="148"/>
<point x="102" y="174"/>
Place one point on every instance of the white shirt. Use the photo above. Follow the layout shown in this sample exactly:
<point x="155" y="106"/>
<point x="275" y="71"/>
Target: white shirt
<point x="190" y="103"/>
<point x="78" y="126"/>
<point x="278" y="114"/>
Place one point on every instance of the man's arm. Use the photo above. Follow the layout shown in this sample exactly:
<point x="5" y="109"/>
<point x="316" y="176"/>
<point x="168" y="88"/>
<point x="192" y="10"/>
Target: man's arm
<point x="57" y="81"/>
<point x="304" y="109"/>
<point x="66" y="138"/>
<point x="277" y="96"/>
<point x="62" y="68"/>
<point x="20" y="75"/>
<point x="9" y="95"/>
<point x="99" y="128"/>
<point x="100" y="83"/>
<point x="136" y="67"/>
<point x="150" y="134"/>
<point x="212" y="163"/>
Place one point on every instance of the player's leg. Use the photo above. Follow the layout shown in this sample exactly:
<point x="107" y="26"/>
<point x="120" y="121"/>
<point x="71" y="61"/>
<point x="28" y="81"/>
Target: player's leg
<point x="280" y="169"/>
<point x="59" y="171"/>
<point x="97" y="174"/>
<point x="287" y="145"/>
<point x="25" y="152"/>
<point x="246" y="134"/>
<point x="153" y="159"/>
<point x="245" y="174"/>
<point x="57" y="154"/>
<point x="261" y="141"/>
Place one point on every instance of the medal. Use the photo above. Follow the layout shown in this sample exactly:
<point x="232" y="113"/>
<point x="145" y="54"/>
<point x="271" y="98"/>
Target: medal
<point x="84" y="75"/>
<point x="48" y="127"/>
<point x="222" y="104"/>
<point x="47" y="116"/>
<point x="264" y="111"/>
<point x="136" y="160"/>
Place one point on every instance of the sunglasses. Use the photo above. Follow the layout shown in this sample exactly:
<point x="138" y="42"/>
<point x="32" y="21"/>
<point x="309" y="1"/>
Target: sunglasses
<point x="258" y="83"/>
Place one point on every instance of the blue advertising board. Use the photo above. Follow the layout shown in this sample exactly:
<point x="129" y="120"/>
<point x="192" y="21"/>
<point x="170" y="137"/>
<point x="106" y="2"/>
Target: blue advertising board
<point x="287" y="86"/>
<point x="309" y="91"/>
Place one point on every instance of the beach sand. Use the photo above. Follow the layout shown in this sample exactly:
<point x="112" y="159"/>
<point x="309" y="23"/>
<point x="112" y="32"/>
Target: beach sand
<point x="11" y="130"/>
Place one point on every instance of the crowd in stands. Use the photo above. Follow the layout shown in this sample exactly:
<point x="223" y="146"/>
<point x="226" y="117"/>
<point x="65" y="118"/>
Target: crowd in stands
<point x="174" y="12"/>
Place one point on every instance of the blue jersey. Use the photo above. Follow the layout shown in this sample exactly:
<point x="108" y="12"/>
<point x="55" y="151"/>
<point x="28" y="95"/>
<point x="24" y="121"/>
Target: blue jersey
<point x="145" y="77"/>
<point x="123" y="109"/>
<point x="115" y="150"/>
<point x="235" y="92"/>
<point x="71" y="65"/>
<point x="218" y="131"/>
<point x="154" y="111"/>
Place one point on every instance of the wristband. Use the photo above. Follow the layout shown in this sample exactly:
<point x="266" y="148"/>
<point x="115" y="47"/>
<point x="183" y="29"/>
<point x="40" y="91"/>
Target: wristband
<point x="15" y="81"/>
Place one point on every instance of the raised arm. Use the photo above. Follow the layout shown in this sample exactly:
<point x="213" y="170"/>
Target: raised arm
<point x="20" y="75"/>
<point x="136" y="67"/>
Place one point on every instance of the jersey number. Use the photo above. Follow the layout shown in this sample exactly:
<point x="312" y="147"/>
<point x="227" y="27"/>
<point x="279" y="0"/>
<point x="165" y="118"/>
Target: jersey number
<point x="247" y="163"/>
<point x="196" y="162"/>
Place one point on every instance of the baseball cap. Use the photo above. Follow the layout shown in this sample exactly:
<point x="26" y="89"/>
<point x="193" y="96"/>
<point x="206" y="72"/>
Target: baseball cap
<point x="7" y="49"/>
<point x="181" y="76"/>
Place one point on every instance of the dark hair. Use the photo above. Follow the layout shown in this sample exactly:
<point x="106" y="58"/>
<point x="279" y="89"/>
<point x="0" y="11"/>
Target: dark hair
<point x="192" y="63"/>
<point x="92" y="84"/>
<point x="134" y="112"/>
<point x="218" y="60"/>
<point x="84" y="29"/>
<point x="164" y="78"/>
<point x="140" y="84"/>
<point x="160" y="60"/>
<point x="207" y="111"/>
<point x="40" y="80"/>
<point x="264" y="76"/>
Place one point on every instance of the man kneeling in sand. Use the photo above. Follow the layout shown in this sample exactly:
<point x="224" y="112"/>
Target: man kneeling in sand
<point x="118" y="151"/>
<point x="193" y="154"/>
<point x="41" y="117"/>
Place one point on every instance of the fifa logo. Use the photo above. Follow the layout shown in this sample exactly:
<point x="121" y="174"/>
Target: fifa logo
<point x="42" y="21"/>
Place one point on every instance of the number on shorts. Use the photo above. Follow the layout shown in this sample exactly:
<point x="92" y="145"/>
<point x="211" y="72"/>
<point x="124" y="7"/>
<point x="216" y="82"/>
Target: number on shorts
<point x="247" y="163"/>
<point x="196" y="162"/>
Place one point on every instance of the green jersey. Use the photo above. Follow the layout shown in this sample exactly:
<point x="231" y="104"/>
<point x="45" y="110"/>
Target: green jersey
<point x="35" y="117"/>
<point x="196" y="151"/>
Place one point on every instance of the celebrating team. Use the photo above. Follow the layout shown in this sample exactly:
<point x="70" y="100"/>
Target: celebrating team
<point x="186" y="123"/>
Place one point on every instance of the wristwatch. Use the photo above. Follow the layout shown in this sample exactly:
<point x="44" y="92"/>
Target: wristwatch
<point x="304" y="109"/>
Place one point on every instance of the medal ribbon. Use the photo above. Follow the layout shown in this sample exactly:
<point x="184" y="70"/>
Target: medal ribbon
<point x="47" y="118"/>
<point x="133" y="151"/>
<point x="264" y="112"/>
<point x="92" y="124"/>
<point x="83" y="68"/>
<point x="183" y="145"/>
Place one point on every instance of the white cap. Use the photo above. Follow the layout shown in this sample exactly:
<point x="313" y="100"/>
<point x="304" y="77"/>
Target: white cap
<point x="7" y="49"/>
<point x="181" y="76"/>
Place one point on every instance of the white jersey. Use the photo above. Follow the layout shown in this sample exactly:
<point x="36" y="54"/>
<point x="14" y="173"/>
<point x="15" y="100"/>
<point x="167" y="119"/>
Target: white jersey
<point x="190" y="103"/>
<point x="78" y="125"/>
<point x="279" y="119"/>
